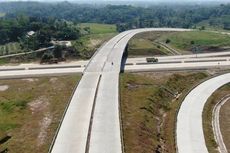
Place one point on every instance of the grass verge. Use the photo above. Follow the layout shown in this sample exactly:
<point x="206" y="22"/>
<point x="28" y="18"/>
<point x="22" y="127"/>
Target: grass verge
<point x="31" y="109"/>
<point x="96" y="28"/>
<point x="147" y="44"/>
<point x="149" y="105"/>
<point x="204" y="41"/>
<point x="87" y="45"/>
<point x="95" y="35"/>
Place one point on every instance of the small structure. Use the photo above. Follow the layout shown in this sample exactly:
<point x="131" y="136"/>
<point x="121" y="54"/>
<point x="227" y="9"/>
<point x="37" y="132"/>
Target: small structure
<point x="30" y="33"/>
<point x="62" y="43"/>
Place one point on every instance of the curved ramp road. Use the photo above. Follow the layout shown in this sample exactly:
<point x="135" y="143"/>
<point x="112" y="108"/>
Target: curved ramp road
<point x="91" y="123"/>
<point x="216" y="124"/>
<point x="190" y="136"/>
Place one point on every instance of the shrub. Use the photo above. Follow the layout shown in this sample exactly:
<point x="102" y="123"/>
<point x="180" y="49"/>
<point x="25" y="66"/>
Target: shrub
<point x="167" y="41"/>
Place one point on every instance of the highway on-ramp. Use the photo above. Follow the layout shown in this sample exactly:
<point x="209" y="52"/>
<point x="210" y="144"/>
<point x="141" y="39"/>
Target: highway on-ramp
<point x="189" y="132"/>
<point x="216" y="124"/>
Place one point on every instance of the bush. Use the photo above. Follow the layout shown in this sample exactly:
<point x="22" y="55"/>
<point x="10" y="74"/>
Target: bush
<point x="167" y="41"/>
<point x="202" y="28"/>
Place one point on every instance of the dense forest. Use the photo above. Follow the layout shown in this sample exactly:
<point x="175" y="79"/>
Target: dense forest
<point x="125" y="16"/>
<point x="59" y="21"/>
<point x="44" y="30"/>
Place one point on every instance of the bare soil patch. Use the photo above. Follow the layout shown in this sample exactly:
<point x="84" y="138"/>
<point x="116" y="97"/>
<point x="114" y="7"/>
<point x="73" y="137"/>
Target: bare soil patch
<point x="30" y="111"/>
<point x="3" y="87"/>
<point x="30" y="79"/>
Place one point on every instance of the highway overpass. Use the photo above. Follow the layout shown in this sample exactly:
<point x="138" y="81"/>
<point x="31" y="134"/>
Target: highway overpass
<point x="92" y="123"/>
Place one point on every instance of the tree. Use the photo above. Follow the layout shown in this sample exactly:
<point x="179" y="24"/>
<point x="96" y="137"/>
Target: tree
<point x="167" y="41"/>
<point x="58" y="51"/>
<point x="202" y="28"/>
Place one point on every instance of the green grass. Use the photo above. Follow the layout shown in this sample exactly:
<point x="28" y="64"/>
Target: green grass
<point x="147" y="43"/>
<point x="87" y="45"/>
<point x="217" y="23"/>
<point x="90" y="42"/>
<point x="144" y="44"/>
<point x="3" y="61"/>
<point x="144" y="47"/>
<point x="204" y="39"/>
<point x="2" y="14"/>
<point x="149" y="110"/>
<point x="26" y="104"/>
<point x="97" y="28"/>
<point x="12" y="105"/>
<point x="10" y="48"/>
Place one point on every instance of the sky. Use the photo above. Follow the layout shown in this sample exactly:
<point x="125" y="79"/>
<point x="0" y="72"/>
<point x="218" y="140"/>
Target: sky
<point x="130" y="1"/>
<point x="125" y="0"/>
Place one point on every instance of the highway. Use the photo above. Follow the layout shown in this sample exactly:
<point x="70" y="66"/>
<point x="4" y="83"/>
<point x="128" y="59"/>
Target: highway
<point x="216" y="124"/>
<point x="22" y="72"/>
<point x="206" y="61"/>
<point x="189" y="131"/>
<point x="92" y="123"/>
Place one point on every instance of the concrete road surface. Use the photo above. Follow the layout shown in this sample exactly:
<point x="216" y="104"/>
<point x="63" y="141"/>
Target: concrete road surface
<point x="73" y="133"/>
<point x="189" y="132"/>
<point x="39" y="72"/>
<point x="91" y="123"/>
<point x="177" y="66"/>
<point x="216" y="124"/>
<point x="96" y="129"/>
<point x="21" y="72"/>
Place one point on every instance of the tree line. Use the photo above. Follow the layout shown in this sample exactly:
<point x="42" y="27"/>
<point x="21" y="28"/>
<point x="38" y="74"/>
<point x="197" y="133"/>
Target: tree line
<point x="125" y="16"/>
<point x="44" y="30"/>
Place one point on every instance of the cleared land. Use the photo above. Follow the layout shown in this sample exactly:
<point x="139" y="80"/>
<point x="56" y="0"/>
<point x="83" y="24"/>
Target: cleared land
<point x="149" y="105"/>
<point x="207" y="120"/>
<point x="150" y="44"/>
<point x="31" y="109"/>
<point x="96" y="28"/>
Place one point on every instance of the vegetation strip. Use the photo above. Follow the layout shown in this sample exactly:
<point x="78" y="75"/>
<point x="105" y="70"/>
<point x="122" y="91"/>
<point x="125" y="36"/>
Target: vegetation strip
<point x="145" y="136"/>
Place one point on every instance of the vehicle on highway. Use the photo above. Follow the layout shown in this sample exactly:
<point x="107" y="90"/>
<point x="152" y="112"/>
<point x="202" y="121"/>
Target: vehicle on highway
<point x="152" y="60"/>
